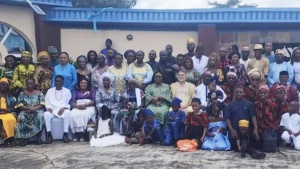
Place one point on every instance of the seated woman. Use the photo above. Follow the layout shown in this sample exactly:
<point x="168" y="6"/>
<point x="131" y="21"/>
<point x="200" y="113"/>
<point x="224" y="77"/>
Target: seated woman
<point x="158" y="97"/>
<point x="7" y="115"/>
<point x="83" y="104"/>
<point x="104" y="134"/>
<point x="140" y="71"/>
<point x="30" y="121"/>
<point x="192" y="75"/>
<point x="108" y="96"/>
<point x="216" y="137"/>
<point x="183" y="90"/>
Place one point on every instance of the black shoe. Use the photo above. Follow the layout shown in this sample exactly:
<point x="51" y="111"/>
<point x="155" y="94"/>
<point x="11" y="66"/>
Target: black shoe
<point x="243" y="149"/>
<point x="24" y="142"/>
<point x="65" y="138"/>
<point x="49" y="138"/>
<point x="38" y="139"/>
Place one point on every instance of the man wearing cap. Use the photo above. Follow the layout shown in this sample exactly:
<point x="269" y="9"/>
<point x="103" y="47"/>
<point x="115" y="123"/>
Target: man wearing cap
<point x="190" y="45"/>
<point x="268" y="53"/>
<point x="277" y="67"/>
<point x="52" y="50"/>
<point x="202" y="90"/>
<point x="108" y="44"/>
<point x="199" y="60"/>
<point x="259" y="62"/>
<point x="245" y="56"/>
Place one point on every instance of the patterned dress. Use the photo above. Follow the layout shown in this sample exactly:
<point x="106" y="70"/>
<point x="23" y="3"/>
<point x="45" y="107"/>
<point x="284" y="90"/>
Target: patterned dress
<point x="290" y="93"/>
<point x="192" y="76"/>
<point x="21" y="74"/>
<point x="42" y="78"/>
<point x="8" y="120"/>
<point x="229" y="92"/>
<point x="266" y="115"/>
<point x="281" y="108"/>
<point x="30" y="124"/>
<point x="119" y="77"/>
<point x="240" y="73"/>
<point x="96" y="73"/>
<point x="109" y="98"/>
<point x="251" y="94"/>
<point x="143" y="75"/>
<point x="160" y="111"/>
<point x="8" y="73"/>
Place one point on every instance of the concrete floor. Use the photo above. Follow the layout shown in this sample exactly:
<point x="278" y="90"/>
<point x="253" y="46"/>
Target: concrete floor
<point x="80" y="155"/>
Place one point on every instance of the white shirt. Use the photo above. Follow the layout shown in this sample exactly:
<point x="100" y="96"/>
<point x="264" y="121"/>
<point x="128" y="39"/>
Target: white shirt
<point x="202" y="92"/>
<point x="201" y="64"/>
<point x="297" y="71"/>
<point x="57" y="99"/>
<point x="291" y="122"/>
<point x="245" y="63"/>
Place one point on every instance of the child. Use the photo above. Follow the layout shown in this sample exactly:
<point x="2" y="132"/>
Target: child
<point x="175" y="123"/>
<point x="243" y="138"/>
<point x="290" y="123"/>
<point x="196" y="123"/>
<point x="214" y="97"/>
<point x="216" y="137"/>
<point x="137" y="136"/>
<point x="126" y="115"/>
<point x="151" y="128"/>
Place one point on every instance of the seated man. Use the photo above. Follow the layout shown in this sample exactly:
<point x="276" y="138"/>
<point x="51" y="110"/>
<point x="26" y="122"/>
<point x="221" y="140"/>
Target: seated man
<point x="290" y="123"/>
<point x="57" y="105"/>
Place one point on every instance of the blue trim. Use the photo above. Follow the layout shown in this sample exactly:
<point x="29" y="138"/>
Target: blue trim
<point x="59" y="3"/>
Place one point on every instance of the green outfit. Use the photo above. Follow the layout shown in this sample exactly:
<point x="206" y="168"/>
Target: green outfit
<point x="160" y="111"/>
<point x="30" y="124"/>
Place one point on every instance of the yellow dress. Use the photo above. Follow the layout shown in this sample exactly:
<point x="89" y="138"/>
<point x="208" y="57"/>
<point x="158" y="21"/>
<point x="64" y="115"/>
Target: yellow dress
<point x="8" y="122"/>
<point x="184" y="92"/>
<point x="21" y="74"/>
<point x="119" y="77"/>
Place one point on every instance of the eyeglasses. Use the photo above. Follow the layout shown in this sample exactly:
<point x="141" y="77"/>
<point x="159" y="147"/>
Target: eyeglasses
<point x="255" y="79"/>
<point x="231" y="78"/>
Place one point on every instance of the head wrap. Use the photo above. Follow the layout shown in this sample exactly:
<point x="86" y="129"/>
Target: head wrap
<point x="279" y="51"/>
<point x="190" y="40"/>
<point x="284" y="73"/>
<point x="231" y="73"/>
<point x="280" y="87"/>
<point x="176" y="101"/>
<point x="254" y="72"/>
<point x="106" y="74"/>
<point x="148" y="112"/>
<point x="52" y="50"/>
<point x="264" y="87"/>
<point x="4" y="80"/>
<point x="244" y="123"/>
<point x="41" y="54"/>
<point x="26" y="54"/>
<point x="258" y="47"/>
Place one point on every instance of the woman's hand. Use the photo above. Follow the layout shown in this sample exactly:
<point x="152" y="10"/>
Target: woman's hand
<point x="255" y="133"/>
<point x="210" y="135"/>
<point x="202" y="139"/>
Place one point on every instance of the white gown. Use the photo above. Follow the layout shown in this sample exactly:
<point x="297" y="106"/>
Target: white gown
<point x="103" y="128"/>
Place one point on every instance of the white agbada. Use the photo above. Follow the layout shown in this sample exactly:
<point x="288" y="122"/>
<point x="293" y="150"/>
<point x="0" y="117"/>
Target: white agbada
<point x="291" y="122"/>
<point x="57" y="99"/>
<point x="201" y="64"/>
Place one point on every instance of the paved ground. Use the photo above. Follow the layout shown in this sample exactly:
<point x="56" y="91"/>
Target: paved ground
<point x="80" y="155"/>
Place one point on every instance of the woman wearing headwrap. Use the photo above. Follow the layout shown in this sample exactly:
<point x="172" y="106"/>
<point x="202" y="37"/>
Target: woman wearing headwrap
<point x="281" y="104"/>
<point x="158" y="97"/>
<point x="9" y="66"/>
<point x="43" y="73"/>
<point x="265" y="111"/>
<point x="66" y="70"/>
<point x="251" y="91"/>
<point x="7" y="115"/>
<point x="230" y="84"/>
<point x="108" y="96"/>
<point x="22" y="72"/>
<point x="130" y="56"/>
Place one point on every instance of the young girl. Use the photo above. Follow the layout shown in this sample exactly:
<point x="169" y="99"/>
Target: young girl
<point x="137" y="135"/>
<point x="216" y="137"/>
<point x="196" y="123"/>
<point x="126" y="115"/>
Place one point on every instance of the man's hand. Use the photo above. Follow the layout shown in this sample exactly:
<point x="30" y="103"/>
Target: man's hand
<point x="234" y="133"/>
<point x="81" y="107"/>
<point x="50" y="110"/>
<point x="255" y="133"/>
<point x="61" y="111"/>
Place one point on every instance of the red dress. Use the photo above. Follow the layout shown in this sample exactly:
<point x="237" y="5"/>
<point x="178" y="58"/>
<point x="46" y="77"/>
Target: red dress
<point x="266" y="115"/>
<point x="290" y="93"/>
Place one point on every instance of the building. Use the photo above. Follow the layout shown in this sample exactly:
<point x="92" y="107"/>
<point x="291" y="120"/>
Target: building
<point x="78" y="30"/>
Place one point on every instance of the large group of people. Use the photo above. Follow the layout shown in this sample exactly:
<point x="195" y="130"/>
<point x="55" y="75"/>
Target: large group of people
<point x="225" y="101"/>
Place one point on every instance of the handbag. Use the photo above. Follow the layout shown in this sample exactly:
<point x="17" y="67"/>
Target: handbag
<point x="187" y="145"/>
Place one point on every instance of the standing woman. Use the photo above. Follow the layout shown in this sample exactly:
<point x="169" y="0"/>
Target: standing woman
<point x="66" y="70"/>
<point x="83" y="104"/>
<point x="212" y="66"/>
<point x="82" y="70"/>
<point x="119" y="71"/>
<point x="98" y="71"/>
<point x="238" y="68"/>
<point x="91" y="57"/>
<point x="43" y="73"/>
<point x="192" y="75"/>
<point x="9" y="66"/>
<point x="140" y="71"/>
<point x="7" y="115"/>
<point x="130" y="57"/>
<point x="22" y="72"/>
<point x="158" y="97"/>
<point x="30" y="120"/>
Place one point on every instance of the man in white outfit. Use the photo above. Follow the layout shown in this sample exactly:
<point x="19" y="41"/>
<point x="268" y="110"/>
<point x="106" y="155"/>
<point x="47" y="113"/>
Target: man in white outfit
<point x="290" y="123"/>
<point x="57" y="106"/>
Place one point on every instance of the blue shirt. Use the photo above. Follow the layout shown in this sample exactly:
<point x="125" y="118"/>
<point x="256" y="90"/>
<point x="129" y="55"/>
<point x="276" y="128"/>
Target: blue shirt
<point x="105" y="50"/>
<point x="271" y="57"/>
<point x="275" y="69"/>
<point x="179" y="116"/>
<point x="69" y="73"/>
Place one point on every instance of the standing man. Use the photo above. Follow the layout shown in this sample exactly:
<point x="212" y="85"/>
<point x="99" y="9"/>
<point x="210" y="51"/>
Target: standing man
<point x="57" y="106"/>
<point x="108" y="44"/>
<point x="200" y="61"/>
<point x="190" y="47"/>
<point x="269" y="54"/>
<point x="259" y="62"/>
<point x="167" y="67"/>
<point x="52" y="50"/>
<point x="171" y="59"/>
<point x="223" y="62"/>
<point x="245" y="56"/>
